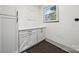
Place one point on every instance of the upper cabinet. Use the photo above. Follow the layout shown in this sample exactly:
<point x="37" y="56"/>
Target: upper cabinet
<point x="8" y="10"/>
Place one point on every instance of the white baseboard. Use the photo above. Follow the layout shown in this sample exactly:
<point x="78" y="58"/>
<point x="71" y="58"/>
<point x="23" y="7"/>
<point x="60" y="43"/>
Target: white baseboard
<point x="68" y="49"/>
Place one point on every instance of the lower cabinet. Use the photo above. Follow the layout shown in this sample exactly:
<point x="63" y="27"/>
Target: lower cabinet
<point x="28" y="38"/>
<point x="41" y="34"/>
<point x="33" y="37"/>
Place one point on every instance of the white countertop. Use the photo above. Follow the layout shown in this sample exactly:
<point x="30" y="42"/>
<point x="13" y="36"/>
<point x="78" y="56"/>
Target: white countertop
<point x="26" y="28"/>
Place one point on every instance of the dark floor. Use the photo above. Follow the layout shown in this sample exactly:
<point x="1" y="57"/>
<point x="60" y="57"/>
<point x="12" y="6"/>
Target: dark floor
<point x="45" y="47"/>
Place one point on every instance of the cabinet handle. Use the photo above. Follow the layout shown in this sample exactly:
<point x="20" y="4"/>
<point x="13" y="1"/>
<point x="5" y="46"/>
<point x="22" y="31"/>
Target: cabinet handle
<point x="17" y="15"/>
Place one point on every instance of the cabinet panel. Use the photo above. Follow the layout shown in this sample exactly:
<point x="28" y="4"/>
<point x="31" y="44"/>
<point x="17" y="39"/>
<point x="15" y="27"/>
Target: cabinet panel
<point x="25" y="42"/>
<point x="41" y="34"/>
<point x="23" y="39"/>
<point x="9" y="35"/>
<point x="23" y="34"/>
<point x="9" y="26"/>
<point x="8" y="10"/>
<point x="33" y="37"/>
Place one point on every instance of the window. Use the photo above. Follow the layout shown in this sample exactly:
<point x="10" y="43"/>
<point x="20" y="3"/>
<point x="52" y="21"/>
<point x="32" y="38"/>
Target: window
<point x="51" y="14"/>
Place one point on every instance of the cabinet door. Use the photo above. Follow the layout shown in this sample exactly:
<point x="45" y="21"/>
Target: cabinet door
<point x="22" y="36"/>
<point x="33" y="37"/>
<point x="23" y="40"/>
<point x="9" y="35"/>
<point x="43" y="33"/>
<point x="40" y="34"/>
<point x="24" y="44"/>
<point x="8" y="10"/>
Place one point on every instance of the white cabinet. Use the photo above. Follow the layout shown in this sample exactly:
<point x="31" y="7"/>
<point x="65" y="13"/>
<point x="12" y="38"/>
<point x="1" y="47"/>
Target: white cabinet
<point x="9" y="35"/>
<point x="28" y="38"/>
<point x="8" y="10"/>
<point x="41" y="34"/>
<point x="24" y="39"/>
<point x="9" y="29"/>
<point x="33" y="37"/>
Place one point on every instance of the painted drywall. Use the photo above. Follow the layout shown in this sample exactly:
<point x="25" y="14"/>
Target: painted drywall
<point x="29" y="16"/>
<point x="66" y="31"/>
